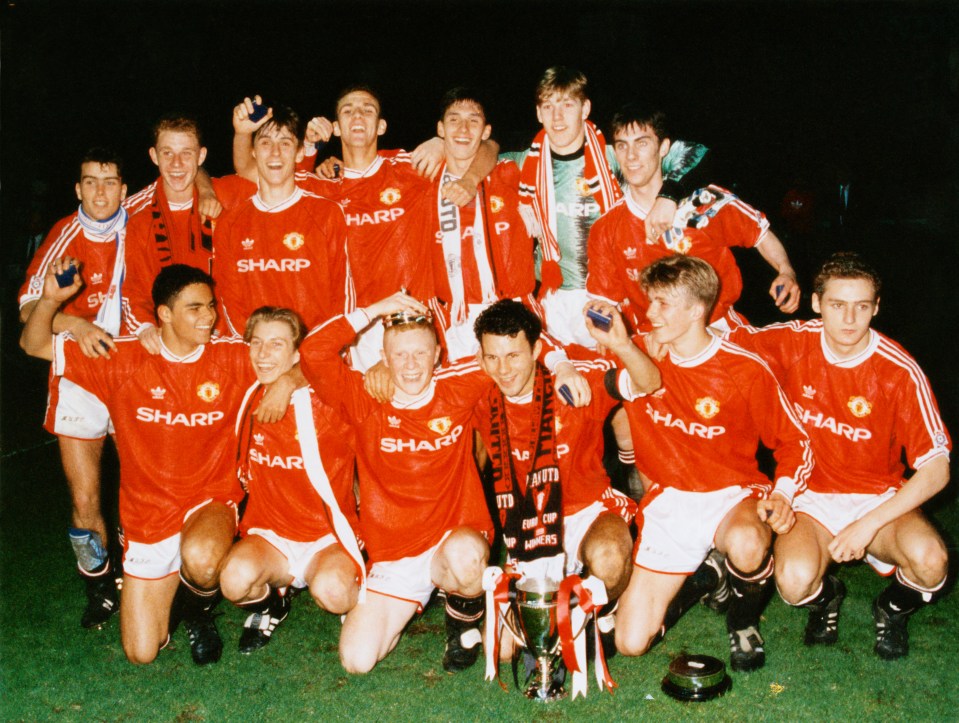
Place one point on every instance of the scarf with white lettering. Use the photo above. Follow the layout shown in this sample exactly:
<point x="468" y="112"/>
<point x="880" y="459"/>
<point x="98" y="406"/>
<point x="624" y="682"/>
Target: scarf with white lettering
<point x="115" y="227"/>
<point x="538" y="197"/>
<point x="312" y="465"/>
<point x="162" y="222"/>
<point x="451" y="234"/>
<point x="532" y="518"/>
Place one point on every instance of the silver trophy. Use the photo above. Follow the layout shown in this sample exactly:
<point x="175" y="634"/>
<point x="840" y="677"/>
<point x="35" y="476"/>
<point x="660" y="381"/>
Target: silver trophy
<point x="535" y="614"/>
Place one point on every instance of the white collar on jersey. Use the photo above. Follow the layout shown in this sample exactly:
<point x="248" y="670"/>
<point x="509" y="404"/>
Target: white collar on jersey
<point x="419" y="402"/>
<point x="702" y="357"/>
<point x="370" y="170"/>
<point x="188" y="204"/>
<point x="187" y="359"/>
<point x="522" y="398"/>
<point x="633" y="205"/>
<point x="853" y="361"/>
<point x="282" y="205"/>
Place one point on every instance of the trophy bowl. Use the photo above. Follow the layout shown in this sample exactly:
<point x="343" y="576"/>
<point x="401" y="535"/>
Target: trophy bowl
<point x="535" y="611"/>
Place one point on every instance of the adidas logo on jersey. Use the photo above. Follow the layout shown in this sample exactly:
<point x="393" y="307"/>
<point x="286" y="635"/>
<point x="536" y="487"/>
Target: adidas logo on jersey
<point x="390" y="444"/>
<point x="258" y="439"/>
<point x="393" y="421"/>
<point x="247" y="244"/>
<point x="381" y="216"/>
<point x="197" y="419"/>
<point x="158" y="392"/>
<point x="630" y="253"/>
<point x="96" y="279"/>
<point x="821" y="421"/>
<point x="693" y="429"/>
<point x="808" y="391"/>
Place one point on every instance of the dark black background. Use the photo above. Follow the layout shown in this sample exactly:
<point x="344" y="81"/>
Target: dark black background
<point x="779" y="91"/>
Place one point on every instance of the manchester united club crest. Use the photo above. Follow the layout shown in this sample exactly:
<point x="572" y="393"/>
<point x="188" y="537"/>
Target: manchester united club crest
<point x="294" y="241"/>
<point x="557" y="424"/>
<point x="582" y="187"/>
<point x="208" y="391"/>
<point x="440" y="425"/>
<point x="707" y="407"/>
<point x="496" y="204"/>
<point x="859" y="406"/>
<point x="390" y="196"/>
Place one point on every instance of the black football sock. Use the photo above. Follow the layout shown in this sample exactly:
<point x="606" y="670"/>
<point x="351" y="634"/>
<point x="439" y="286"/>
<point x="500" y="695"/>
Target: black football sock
<point x="751" y="592"/>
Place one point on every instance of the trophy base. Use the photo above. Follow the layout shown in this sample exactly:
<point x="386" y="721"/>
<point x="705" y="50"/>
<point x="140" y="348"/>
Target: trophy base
<point x="545" y="678"/>
<point x="546" y="695"/>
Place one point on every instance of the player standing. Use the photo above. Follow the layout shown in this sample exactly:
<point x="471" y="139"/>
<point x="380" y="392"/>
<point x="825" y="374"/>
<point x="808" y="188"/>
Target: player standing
<point x="482" y="251"/>
<point x="696" y="439"/>
<point x="707" y="224"/>
<point x="864" y="401"/>
<point x="284" y="246"/>
<point x="95" y="233"/>
<point x="170" y="224"/>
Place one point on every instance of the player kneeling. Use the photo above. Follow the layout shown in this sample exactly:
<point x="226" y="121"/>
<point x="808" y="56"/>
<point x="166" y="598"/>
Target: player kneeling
<point x="301" y="511"/>
<point x="696" y="439"/>
<point x="864" y="402"/>
<point x="422" y="512"/>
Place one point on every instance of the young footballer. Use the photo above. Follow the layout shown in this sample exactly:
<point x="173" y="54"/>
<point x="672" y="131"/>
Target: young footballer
<point x="173" y="413"/>
<point x="558" y="511"/>
<point x="423" y="516"/>
<point x="865" y="403"/>
<point x="96" y="233"/>
<point x="298" y="524"/>
<point x="708" y="224"/>
<point x="696" y="439"/>
<point x="285" y="246"/>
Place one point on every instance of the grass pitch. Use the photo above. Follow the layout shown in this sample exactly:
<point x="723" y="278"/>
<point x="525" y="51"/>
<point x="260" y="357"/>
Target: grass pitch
<point x="54" y="670"/>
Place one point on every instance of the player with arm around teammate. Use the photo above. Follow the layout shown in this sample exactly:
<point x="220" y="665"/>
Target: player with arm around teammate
<point x="173" y="414"/>
<point x="422" y="512"/>
<point x="300" y="516"/>
<point x="696" y="439"/>
<point x="864" y="401"/>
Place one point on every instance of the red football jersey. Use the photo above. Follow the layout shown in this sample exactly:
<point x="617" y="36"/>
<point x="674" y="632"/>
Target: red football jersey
<point x="509" y="244"/>
<point x="291" y="255"/>
<point x="282" y="497"/>
<point x="97" y="256"/>
<point x="417" y="474"/>
<point x="578" y="438"/>
<point x="707" y="225"/>
<point x="390" y="224"/>
<point x="861" y="413"/>
<point x="145" y="258"/>
<point x="700" y="430"/>
<point x="174" y="426"/>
